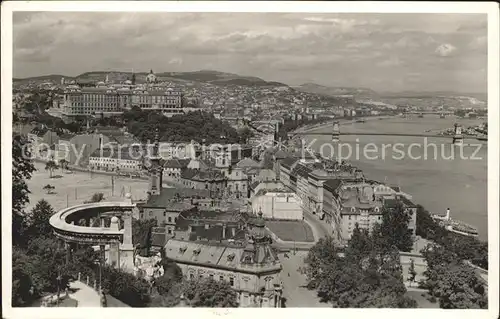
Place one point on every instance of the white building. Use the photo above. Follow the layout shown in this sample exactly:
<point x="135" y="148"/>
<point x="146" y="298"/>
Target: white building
<point x="113" y="159"/>
<point x="277" y="204"/>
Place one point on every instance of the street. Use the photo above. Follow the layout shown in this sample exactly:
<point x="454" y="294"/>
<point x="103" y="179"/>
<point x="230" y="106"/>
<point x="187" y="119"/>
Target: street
<point x="294" y="290"/>
<point x="319" y="227"/>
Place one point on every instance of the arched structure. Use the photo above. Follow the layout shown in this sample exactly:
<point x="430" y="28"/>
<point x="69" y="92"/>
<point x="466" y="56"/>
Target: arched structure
<point x="115" y="243"/>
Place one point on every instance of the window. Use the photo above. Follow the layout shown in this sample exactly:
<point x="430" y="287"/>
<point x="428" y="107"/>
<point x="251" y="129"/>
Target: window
<point x="169" y="219"/>
<point x="349" y="217"/>
<point x="221" y="278"/>
<point x="231" y="281"/>
<point x="169" y="231"/>
<point x="211" y="276"/>
<point x="200" y="276"/>
<point x="164" y="214"/>
<point x="191" y="276"/>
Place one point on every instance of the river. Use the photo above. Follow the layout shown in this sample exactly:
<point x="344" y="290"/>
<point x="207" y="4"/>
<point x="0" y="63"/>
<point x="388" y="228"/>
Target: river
<point x="436" y="179"/>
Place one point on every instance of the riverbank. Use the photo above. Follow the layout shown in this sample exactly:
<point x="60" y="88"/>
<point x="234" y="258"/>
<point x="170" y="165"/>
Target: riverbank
<point x="432" y="175"/>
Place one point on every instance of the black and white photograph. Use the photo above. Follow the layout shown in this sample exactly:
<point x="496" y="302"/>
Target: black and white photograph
<point x="224" y="155"/>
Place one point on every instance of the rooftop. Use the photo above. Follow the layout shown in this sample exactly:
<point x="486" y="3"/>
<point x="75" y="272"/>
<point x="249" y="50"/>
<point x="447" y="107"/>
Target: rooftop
<point x="221" y="256"/>
<point x="167" y="195"/>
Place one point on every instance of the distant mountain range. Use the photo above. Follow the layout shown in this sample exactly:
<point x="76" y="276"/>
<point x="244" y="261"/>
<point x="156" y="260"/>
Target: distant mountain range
<point x="335" y="91"/>
<point x="224" y="78"/>
<point x="427" y="94"/>
<point x="207" y="76"/>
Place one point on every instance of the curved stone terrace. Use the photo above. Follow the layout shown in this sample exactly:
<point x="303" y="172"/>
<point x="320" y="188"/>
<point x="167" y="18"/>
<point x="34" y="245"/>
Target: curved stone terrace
<point x="63" y="222"/>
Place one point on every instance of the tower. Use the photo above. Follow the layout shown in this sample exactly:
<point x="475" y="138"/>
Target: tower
<point x="133" y="79"/>
<point x="458" y="139"/>
<point x="336" y="132"/>
<point x="156" y="170"/>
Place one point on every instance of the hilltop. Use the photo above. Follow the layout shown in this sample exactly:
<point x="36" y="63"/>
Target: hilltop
<point x="335" y="91"/>
<point x="206" y="76"/>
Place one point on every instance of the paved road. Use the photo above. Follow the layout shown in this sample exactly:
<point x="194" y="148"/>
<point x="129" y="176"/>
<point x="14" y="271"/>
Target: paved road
<point x="319" y="227"/>
<point x="293" y="286"/>
<point x="86" y="296"/>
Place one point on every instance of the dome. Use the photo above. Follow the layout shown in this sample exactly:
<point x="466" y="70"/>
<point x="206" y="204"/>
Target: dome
<point x="128" y="195"/>
<point x="114" y="220"/>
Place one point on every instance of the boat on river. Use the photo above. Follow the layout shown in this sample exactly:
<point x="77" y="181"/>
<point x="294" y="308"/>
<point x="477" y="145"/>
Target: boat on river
<point x="482" y="138"/>
<point x="455" y="226"/>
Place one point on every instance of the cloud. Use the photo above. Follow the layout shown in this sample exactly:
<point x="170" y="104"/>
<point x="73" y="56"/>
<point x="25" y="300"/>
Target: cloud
<point x="367" y="49"/>
<point x="445" y="50"/>
<point x="391" y="62"/>
<point x="175" y="61"/>
<point x="479" y="43"/>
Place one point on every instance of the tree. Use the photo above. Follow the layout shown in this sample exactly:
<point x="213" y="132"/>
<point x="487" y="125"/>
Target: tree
<point x="141" y="234"/>
<point x="38" y="220"/>
<point x="49" y="188"/>
<point x="22" y="168"/>
<point x="21" y="279"/>
<point x="210" y="293"/>
<point x="458" y="287"/>
<point x="126" y="287"/>
<point x="411" y="272"/>
<point x="172" y="274"/>
<point x="394" y="227"/>
<point x="96" y="198"/>
<point x="367" y="274"/>
<point x="51" y="166"/>
<point x="47" y="259"/>
<point x="244" y="135"/>
<point x="64" y="164"/>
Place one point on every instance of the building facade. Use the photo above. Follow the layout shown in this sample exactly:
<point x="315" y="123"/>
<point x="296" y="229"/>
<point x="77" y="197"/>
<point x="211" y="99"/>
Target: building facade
<point x="277" y="204"/>
<point x="251" y="268"/>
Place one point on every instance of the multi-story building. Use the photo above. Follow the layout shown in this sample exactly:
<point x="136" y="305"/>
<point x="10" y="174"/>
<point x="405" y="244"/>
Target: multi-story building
<point x="88" y="101"/>
<point x="180" y="150"/>
<point x="301" y="172"/>
<point x="320" y="174"/>
<point x="285" y="170"/>
<point x="331" y="204"/>
<point x="347" y="203"/>
<point x="277" y="204"/>
<point x="112" y="99"/>
<point x="251" y="267"/>
<point x="173" y="168"/>
<point x="237" y="182"/>
<point x="120" y="159"/>
<point x="224" y="156"/>
<point x="358" y="206"/>
<point x="166" y="100"/>
<point x="211" y="180"/>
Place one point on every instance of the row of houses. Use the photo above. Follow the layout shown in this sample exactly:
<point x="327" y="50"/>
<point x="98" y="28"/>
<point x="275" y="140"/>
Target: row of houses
<point x="337" y="193"/>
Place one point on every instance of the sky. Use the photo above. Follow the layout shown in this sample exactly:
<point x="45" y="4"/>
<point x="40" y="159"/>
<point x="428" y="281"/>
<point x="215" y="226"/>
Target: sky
<point x="384" y="52"/>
